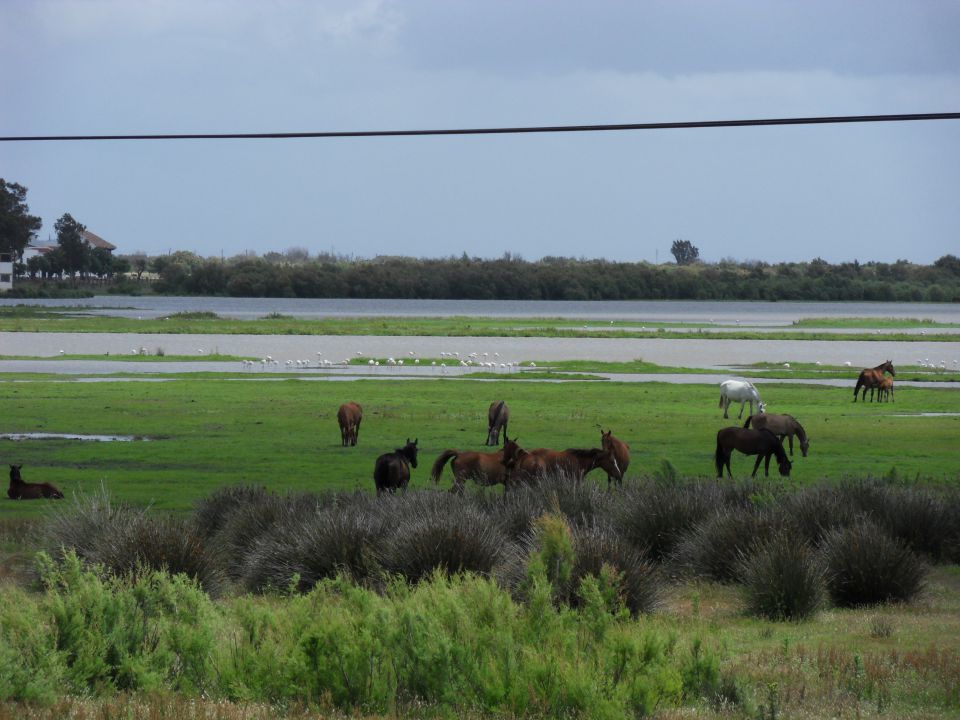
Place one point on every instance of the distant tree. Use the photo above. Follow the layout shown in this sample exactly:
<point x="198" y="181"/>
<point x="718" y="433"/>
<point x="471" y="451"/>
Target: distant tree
<point x="685" y="252"/>
<point x="138" y="262"/>
<point x="951" y="263"/>
<point x="76" y="252"/>
<point x="17" y="226"/>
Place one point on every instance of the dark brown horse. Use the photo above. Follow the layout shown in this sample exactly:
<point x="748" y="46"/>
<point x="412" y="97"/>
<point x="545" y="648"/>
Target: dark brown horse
<point x="872" y="378"/>
<point x="392" y="471"/>
<point x="497" y="418"/>
<point x="621" y="453"/>
<point x="20" y="490"/>
<point x="761" y="443"/>
<point x="783" y="426"/>
<point x="483" y="468"/>
<point x="349" y="416"/>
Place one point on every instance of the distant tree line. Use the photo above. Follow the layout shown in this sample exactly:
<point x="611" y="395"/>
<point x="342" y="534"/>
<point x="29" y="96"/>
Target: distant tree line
<point x="296" y="274"/>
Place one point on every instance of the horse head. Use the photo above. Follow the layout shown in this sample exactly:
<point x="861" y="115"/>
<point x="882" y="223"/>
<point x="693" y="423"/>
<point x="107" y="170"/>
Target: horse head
<point x="15" y="473"/>
<point x="762" y="409"/>
<point x="784" y="465"/>
<point x="410" y="450"/>
<point x="888" y="366"/>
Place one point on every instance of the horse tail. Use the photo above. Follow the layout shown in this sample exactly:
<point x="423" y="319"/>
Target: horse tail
<point x="721" y="399"/>
<point x="747" y="423"/>
<point x="440" y="462"/>
<point x="718" y="458"/>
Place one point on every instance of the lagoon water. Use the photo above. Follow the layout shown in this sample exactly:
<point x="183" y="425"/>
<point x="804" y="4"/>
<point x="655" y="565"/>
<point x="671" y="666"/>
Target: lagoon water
<point x="751" y="314"/>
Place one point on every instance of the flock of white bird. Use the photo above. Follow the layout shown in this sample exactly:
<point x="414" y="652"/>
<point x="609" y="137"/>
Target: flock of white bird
<point x="490" y="361"/>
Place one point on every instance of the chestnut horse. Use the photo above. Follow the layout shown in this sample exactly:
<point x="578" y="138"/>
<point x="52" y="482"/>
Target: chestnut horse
<point x="886" y="389"/>
<point x="392" y="471"/>
<point x="483" y="468"/>
<point x="497" y="417"/>
<point x="523" y="465"/>
<point x="871" y="378"/>
<point x="349" y="416"/>
<point x="782" y="426"/>
<point x="20" y="490"/>
<point x="621" y="453"/>
<point x="761" y="443"/>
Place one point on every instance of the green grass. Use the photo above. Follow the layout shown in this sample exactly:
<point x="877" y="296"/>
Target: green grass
<point x="283" y="433"/>
<point x="872" y="322"/>
<point x="34" y="319"/>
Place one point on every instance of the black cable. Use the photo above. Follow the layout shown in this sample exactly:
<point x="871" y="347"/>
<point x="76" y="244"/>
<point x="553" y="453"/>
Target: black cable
<point x="496" y="130"/>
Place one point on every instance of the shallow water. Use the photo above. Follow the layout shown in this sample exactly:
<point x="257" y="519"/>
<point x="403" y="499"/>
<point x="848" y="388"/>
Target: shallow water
<point x="17" y="437"/>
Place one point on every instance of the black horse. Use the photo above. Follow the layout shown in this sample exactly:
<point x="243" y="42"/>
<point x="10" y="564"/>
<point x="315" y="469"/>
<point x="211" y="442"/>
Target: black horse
<point x="392" y="471"/>
<point x="761" y="443"/>
<point x="20" y="490"/>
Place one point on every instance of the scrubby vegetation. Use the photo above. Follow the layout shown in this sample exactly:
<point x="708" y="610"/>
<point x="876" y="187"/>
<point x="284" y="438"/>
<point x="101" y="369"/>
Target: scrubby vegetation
<point x="540" y="602"/>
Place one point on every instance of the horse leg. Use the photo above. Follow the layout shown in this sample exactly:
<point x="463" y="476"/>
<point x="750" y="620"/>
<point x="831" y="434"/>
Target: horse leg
<point x="726" y="406"/>
<point x="790" y="439"/>
<point x="756" y="465"/>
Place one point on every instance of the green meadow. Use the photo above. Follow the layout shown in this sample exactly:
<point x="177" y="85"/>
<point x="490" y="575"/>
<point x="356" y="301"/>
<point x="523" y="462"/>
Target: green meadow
<point x="195" y="434"/>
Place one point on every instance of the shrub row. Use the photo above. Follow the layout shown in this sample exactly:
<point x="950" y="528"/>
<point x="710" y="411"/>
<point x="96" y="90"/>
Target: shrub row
<point x="864" y="541"/>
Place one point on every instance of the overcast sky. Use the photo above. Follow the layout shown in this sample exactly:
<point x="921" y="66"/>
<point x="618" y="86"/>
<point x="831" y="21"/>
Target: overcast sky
<point x="840" y="192"/>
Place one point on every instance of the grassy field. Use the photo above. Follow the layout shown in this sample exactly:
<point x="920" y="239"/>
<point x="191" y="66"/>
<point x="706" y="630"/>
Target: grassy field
<point x="200" y="433"/>
<point x="65" y="319"/>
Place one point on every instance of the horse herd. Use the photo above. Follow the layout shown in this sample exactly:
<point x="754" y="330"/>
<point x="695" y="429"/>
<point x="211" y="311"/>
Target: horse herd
<point x="762" y="435"/>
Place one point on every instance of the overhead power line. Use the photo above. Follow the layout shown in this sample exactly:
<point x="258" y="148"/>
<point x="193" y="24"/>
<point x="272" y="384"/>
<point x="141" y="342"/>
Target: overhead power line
<point x="495" y="130"/>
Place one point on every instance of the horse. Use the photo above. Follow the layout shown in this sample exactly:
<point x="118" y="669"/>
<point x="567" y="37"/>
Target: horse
<point x="739" y="391"/>
<point x="349" y="416"/>
<point x="392" y="471"/>
<point x="20" y="490"/>
<point x="497" y="417"/>
<point x="532" y="465"/>
<point x="871" y="378"/>
<point x="761" y="443"/>
<point x="781" y="426"/>
<point x="886" y="389"/>
<point x="621" y="453"/>
<point x="485" y="469"/>
<point x="521" y="466"/>
<point x="577" y="462"/>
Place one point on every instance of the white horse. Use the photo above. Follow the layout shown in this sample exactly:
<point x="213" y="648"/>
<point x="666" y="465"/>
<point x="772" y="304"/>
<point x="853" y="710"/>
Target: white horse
<point x="739" y="391"/>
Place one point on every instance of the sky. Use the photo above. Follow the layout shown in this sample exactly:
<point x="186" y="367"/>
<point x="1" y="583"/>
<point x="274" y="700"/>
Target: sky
<point x="869" y="192"/>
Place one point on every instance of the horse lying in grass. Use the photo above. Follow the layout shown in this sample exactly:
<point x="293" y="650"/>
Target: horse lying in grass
<point x="392" y="470"/>
<point x="761" y="443"/>
<point x="20" y="490"/>
<point x="782" y="426"/>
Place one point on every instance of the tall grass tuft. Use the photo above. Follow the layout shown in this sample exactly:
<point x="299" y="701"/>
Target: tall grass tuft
<point x="714" y="546"/>
<point x="437" y="531"/>
<point x="866" y="566"/>
<point x="211" y="512"/>
<point x="783" y="578"/>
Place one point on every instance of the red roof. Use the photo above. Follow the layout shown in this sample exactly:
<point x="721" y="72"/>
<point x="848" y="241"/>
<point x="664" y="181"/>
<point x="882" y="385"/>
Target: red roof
<point x="97" y="242"/>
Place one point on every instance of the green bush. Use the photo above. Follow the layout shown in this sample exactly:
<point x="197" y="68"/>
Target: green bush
<point x="783" y="578"/>
<point x="866" y="565"/>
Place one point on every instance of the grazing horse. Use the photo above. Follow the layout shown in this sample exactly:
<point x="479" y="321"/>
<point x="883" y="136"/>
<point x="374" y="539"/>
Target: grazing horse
<point x="392" y="471"/>
<point x="483" y="468"/>
<point x="20" y="490"/>
<point x="781" y="426"/>
<point x="886" y="389"/>
<point x="739" y="391"/>
<point x="871" y="378"/>
<point x="761" y="443"/>
<point x="497" y="417"/>
<point x="621" y="453"/>
<point x="349" y="416"/>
